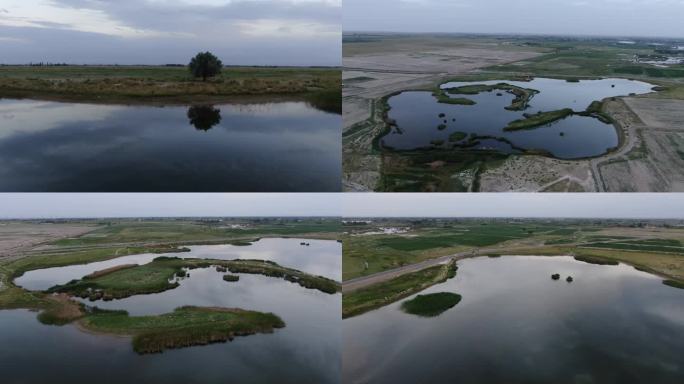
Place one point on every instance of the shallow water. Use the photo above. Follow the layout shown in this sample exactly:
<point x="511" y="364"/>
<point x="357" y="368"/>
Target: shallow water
<point x="306" y="350"/>
<point x="51" y="147"/>
<point x="514" y="324"/>
<point x="417" y="117"/>
<point x="321" y="257"/>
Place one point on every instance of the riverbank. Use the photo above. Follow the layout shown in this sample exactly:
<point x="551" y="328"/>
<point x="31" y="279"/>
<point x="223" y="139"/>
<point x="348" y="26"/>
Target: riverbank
<point x="160" y="85"/>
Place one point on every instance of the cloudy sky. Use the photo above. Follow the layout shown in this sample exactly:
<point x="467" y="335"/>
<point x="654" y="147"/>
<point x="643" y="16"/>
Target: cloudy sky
<point x="604" y="205"/>
<point x="242" y="32"/>
<point x="622" y="205"/>
<point x="577" y="17"/>
<point x="63" y="205"/>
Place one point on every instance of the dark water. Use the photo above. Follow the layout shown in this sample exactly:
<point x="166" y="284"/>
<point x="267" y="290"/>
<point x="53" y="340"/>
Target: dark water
<point x="48" y="146"/>
<point x="306" y="350"/>
<point x="613" y="324"/>
<point x="417" y="117"/>
<point x="321" y="257"/>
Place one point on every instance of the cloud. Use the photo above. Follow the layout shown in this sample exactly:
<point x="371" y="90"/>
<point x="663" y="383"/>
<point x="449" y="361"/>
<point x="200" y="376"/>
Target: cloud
<point x="266" y="29"/>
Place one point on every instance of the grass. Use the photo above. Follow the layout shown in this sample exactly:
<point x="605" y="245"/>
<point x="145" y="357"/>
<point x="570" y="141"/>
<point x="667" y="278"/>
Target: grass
<point x="189" y="232"/>
<point x="51" y="260"/>
<point x="431" y="305"/>
<point x="443" y="98"/>
<point x="131" y="84"/>
<point x="538" y="119"/>
<point x="158" y="276"/>
<point x="596" y="260"/>
<point x="231" y="278"/>
<point x="365" y="255"/>
<point x="457" y="136"/>
<point x="387" y="292"/>
<point x="184" y="327"/>
<point x="674" y="283"/>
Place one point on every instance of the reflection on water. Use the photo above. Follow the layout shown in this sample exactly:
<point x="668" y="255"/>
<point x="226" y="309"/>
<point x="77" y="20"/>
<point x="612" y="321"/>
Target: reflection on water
<point x="204" y="117"/>
<point x="307" y="350"/>
<point x="269" y="147"/>
<point x="515" y="324"/>
<point x="421" y="120"/>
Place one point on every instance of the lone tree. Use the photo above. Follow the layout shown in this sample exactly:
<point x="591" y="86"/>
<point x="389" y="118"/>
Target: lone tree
<point x="204" y="65"/>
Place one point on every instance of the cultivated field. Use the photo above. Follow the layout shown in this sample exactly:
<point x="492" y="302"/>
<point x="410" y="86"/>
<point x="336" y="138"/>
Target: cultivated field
<point x="389" y="259"/>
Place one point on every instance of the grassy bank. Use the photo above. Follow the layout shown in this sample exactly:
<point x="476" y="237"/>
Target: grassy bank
<point x="381" y="294"/>
<point x="160" y="84"/>
<point x="431" y="305"/>
<point x="184" y="327"/>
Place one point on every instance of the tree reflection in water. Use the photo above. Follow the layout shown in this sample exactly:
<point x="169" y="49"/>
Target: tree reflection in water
<point x="204" y="117"/>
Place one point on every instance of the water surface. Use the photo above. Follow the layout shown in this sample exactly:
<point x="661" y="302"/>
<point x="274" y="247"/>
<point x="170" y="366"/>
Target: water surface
<point x="306" y="350"/>
<point x="270" y="147"/>
<point x="514" y="324"/>
<point x="418" y="118"/>
<point x="321" y="257"/>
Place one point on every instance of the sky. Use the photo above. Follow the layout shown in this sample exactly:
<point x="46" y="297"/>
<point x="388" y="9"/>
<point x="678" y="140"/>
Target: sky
<point x="240" y="32"/>
<point x="634" y="18"/>
<point x="86" y="205"/>
<point x="81" y="205"/>
<point x="603" y="205"/>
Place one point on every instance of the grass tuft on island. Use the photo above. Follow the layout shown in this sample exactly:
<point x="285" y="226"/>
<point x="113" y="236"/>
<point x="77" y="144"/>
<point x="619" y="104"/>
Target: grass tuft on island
<point x="538" y="119"/>
<point x="378" y="295"/>
<point x="443" y="98"/>
<point x="674" y="283"/>
<point x="231" y="278"/>
<point x="431" y="305"/>
<point x="184" y="327"/>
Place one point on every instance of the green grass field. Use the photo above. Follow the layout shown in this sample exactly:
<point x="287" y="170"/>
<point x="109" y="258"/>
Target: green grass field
<point x="160" y="84"/>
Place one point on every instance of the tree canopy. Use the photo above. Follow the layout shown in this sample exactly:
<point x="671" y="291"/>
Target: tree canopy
<point x="204" y="65"/>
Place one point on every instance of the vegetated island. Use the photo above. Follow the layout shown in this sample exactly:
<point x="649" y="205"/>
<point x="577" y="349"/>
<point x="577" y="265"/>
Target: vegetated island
<point x="158" y="276"/>
<point x="173" y="84"/>
<point x="431" y="305"/>
<point x="184" y="327"/>
<point x="378" y="295"/>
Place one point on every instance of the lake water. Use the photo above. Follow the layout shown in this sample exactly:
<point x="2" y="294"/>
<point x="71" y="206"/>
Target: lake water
<point x="306" y="350"/>
<point x="417" y="116"/>
<point x="321" y="257"/>
<point x="515" y="324"/>
<point x="270" y="147"/>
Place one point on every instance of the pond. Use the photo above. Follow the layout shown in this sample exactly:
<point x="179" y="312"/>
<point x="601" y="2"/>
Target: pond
<point x="270" y="147"/>
<point x="306" y="350"/>
<point x="423" y="122"/>
<point x="514" y="324"/>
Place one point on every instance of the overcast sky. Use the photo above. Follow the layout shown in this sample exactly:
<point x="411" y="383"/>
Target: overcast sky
<point x="604" y="205"/>
<point x="574" y="17"/>
<point x="622" y="205"/>
<point x="81" y="205"/>
<point x="243" y="32"/>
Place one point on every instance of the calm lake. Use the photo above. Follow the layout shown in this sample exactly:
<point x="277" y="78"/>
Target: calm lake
<point x="515" y="324"/>
<point x="417" y="115"/>
<point x="270" y="147"/>
<point x="306" y="350"/>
